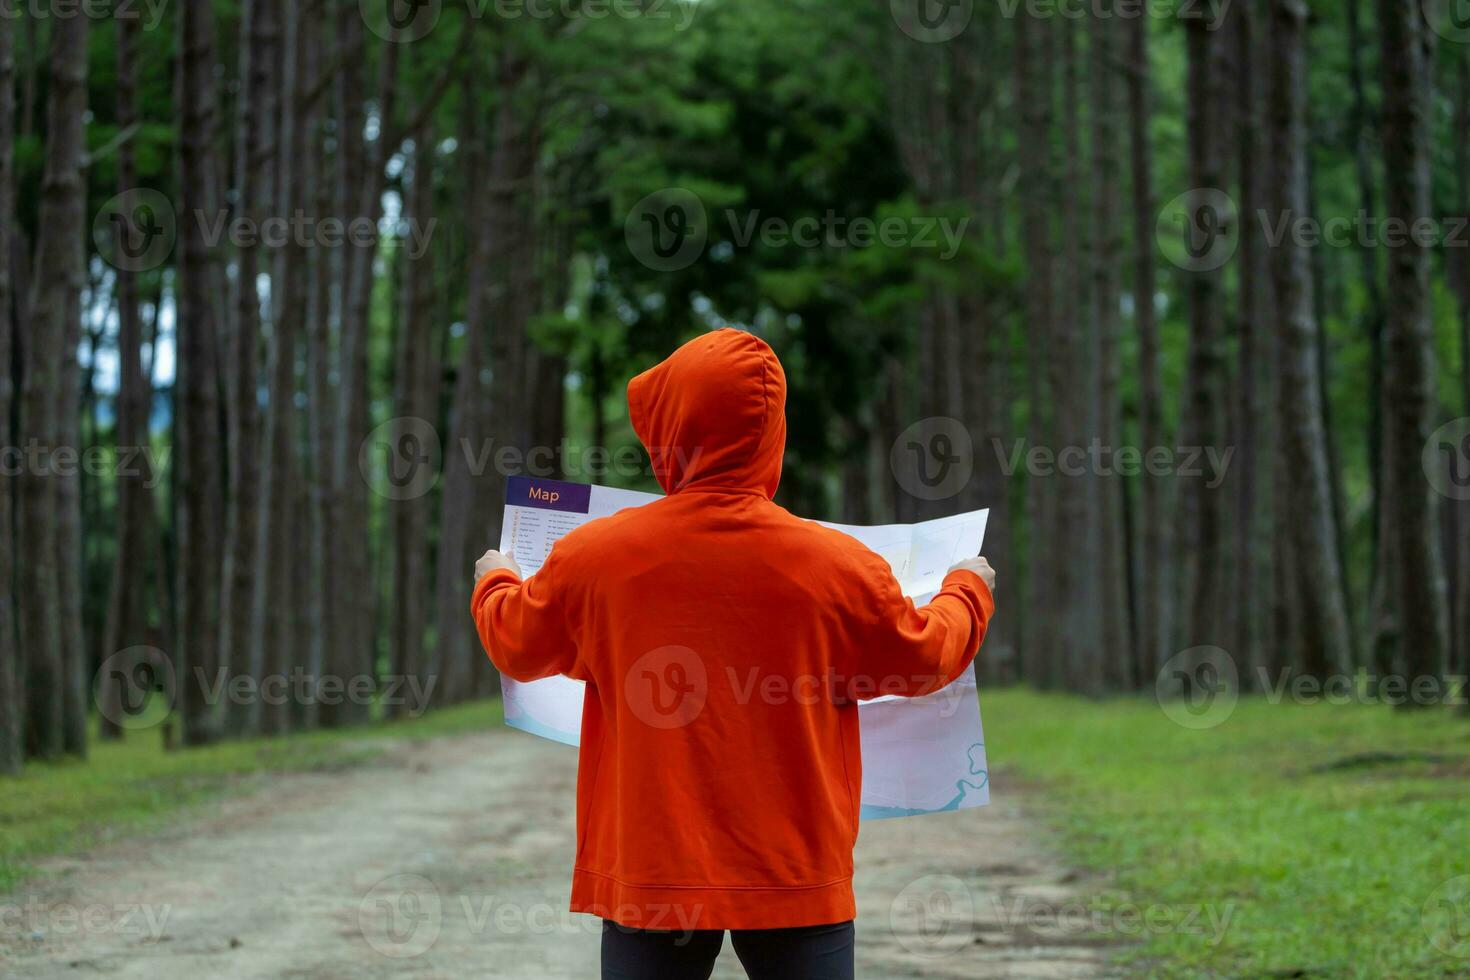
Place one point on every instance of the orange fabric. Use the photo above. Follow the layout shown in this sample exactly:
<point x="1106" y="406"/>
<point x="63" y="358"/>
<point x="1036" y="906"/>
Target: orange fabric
<point x="724" y="643"/>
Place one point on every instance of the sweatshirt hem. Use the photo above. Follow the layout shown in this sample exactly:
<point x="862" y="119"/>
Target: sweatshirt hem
<point x="685" y="907"/>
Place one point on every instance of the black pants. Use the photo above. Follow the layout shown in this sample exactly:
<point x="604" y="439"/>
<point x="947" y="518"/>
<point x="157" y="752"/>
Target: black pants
<point x="804" y="953"/>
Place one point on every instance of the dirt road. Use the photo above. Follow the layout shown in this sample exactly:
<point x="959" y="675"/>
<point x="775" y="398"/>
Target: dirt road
<point x="451" y="858"/>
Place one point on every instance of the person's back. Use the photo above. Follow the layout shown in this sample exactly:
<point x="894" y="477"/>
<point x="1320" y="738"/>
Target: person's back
<point x="725" y="644"/>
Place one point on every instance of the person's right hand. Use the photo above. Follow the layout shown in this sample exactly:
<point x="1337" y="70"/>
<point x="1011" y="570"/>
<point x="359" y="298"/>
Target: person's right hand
<point x="980" y="567"/>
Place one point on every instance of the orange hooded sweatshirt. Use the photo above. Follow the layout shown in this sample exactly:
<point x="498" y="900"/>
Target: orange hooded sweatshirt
<point x="725" y="644"/>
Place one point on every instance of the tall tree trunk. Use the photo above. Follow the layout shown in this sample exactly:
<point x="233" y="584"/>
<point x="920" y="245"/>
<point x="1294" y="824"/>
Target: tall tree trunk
<point x="11" y="743"/>
<point x="1418" y="596"/>
<point x="1155" y="575"/>
<point x="127" y="616"/>
<point x="985" y="362"/>
<point x="1319" y="621"/>
<point x="51" y="644"/>
<point x="254" y="148"/>
<point x="1112" y="572"/>
<point x="1362" y="127"/>
<point x="1461" y="551"/>
<point x="1256" y="390"/>
<point x="197" y="409"/>
<point x="360" y="195"/>
<point x="1204" y="410"/>
<point x="415" y="397"/>
<point x="1034" y="101"/>
<point x="271" y="631"/>
<point x="467" y="433"/>
<point x="1072" y="390"/>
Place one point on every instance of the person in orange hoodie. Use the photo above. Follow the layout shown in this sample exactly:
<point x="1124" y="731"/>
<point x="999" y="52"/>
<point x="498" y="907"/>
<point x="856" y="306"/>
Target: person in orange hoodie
<point x="725" y="644"/>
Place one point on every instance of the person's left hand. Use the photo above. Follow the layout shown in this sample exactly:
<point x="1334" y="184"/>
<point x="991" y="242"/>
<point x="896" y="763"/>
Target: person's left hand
<point x="492" y="560"/>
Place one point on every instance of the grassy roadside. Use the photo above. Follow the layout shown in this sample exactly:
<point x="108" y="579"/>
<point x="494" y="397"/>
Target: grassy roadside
<point x="130" y="786"/>
<point x="1329" y="862"/>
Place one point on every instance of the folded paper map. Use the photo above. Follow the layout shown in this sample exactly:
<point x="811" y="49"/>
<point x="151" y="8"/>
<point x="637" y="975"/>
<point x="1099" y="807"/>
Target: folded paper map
<point x="920" y="755"/>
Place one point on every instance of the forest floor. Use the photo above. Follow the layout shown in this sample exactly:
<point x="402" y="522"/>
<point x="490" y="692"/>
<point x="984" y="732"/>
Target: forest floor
<point x="450" y="857"/>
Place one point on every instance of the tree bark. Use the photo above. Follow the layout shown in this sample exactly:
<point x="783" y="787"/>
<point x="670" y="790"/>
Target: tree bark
<point x="271" y="632"/>
<point x="47" y="537"/>
<point x="127" y="616"/>
<point x="1112" y="572"/>
<point x="197" y="408"/>
<point x="1034" y="100"/>
<point x="415" y="397"/>
<point x="1417" y="598"/>
<point x="1462" y="289"/>
<point x="1319" y="621"/>
<point x="1204" y="410"/>
<point x="1154" y="565"/>
<point x="1255" y="526"/>
<point x="254" y="147"/>
<point x="11" y="743"/>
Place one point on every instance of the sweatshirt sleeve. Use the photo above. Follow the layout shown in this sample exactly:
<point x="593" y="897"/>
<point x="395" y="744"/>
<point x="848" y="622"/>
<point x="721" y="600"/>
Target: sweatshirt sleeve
<point x="910" y="651"/>
<point x="522" y="625"/>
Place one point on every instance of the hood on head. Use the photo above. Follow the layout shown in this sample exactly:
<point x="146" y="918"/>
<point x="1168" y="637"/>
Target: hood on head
<point x="713" y="414"/>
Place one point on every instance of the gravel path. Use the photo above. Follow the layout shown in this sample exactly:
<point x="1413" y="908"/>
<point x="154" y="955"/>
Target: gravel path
<point x="451" y="858"/>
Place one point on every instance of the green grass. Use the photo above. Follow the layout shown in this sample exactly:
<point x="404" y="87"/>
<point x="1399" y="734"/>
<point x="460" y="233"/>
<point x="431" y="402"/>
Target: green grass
<point x="1333" y="872"/>
<point x="134" y="785"/>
